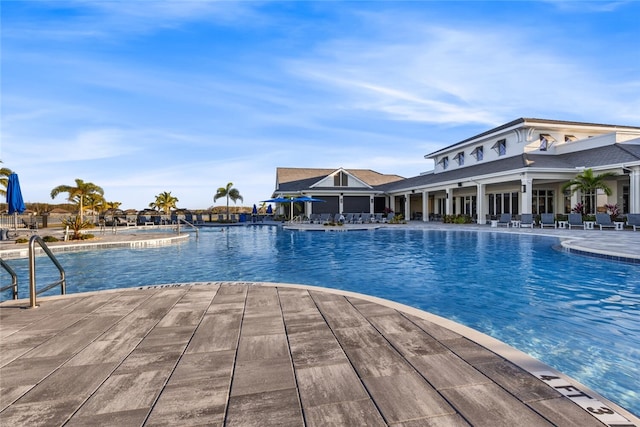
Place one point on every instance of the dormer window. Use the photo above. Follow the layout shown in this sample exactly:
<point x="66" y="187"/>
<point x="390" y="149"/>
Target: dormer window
<point x="478" y="153"/>
<point x="341" y="179"/>
<point x="546" y="141"/>
<point x="570" y="138"/>
<point x="459" y="158"/>
<point x="500" y="147"/>
<point x="444" y="162"/>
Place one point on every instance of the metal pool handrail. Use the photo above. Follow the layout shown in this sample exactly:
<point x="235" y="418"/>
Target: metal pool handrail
<point x="190" y="225"/>
<point x="14" y="279"/>
<point x="32" y="271"/>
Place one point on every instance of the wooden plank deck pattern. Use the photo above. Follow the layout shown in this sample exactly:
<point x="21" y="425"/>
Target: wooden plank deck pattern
<point x="249" y="355"/>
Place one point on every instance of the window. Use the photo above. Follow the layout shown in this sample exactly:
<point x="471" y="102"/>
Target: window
<point x="459" y="158"/>
<point x="444" y="162"/>
<point x="570" y="138"/>
<point x="478" y="153"/>
<point x="500" y="147"/>
<point x="546" y="141"/>
<point x="542" y="201"/>
<point x="341" y="179"/>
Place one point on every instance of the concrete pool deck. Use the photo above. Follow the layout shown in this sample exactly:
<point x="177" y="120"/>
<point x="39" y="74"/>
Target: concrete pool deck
<point x="253" y="354"/>
<point x="261" y="354"/>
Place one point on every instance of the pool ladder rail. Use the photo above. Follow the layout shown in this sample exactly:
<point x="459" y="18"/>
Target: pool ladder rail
<point x="32" y="273"/>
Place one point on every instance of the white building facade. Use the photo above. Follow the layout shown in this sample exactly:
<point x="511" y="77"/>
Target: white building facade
<point x="520" y="167"/>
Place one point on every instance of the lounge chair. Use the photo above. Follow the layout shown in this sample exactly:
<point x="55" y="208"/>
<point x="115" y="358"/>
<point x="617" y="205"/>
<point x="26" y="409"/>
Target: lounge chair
<point x="575" y="220"/>
<point x="604" y="220"/>
<point x="633" y="220"/>
<point x="377" y="218"/>
<point x="548" y="220"/>
<point x="349" y="218"/>
<point x="389" y="217"/>
<point x="30" y="225"/>
<point x="505" y="219"/>
<point x="526" y="221"/>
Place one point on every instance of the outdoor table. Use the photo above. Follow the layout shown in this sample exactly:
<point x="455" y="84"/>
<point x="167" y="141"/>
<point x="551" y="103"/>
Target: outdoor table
<point x="515" y="223"/>
<point x="494" y="223"/>
<point x="563" y="224"/>
<point x="588" y="225"/>
<point x="618" y="225"/>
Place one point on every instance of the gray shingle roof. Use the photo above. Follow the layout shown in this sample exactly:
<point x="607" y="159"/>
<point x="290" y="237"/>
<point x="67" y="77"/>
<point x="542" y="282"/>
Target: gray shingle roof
<point x="610" y="155"/>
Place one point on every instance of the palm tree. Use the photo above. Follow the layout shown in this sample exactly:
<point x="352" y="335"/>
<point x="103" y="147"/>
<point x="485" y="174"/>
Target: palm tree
<point x="230" y="193"/>
<point x="82" y="193"/>
<point x="164" y="202"/>
<point x="4" y="179"/>
<point x="588" y="183"/>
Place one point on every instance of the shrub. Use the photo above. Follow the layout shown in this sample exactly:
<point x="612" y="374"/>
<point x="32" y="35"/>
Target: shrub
<point x="50" y="239"/>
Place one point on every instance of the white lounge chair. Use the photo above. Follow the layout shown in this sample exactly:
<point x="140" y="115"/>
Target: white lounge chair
<point x="526" y="221"/>
<point x="575" y="220"/>
<point x="633" y="220"/>
<point x="505" y="219"/>
<point x="548" y="220"/>
<point x="604" y="221"/>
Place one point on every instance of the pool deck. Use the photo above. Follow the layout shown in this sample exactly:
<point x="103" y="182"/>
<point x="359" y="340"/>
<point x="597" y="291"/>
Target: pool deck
<point x="257" y="354"/>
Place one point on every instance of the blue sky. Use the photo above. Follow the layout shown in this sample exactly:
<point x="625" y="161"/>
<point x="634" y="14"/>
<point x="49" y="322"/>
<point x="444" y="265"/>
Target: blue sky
<point x="142" y="97"/>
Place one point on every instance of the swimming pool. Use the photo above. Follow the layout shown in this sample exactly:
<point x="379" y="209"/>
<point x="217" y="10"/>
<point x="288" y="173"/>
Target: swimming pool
<point x="580" y="315"/>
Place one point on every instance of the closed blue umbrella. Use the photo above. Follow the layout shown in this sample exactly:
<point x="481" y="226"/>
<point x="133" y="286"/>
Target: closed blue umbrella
<point x="269" y="210"/>
<point x="14" y="198"/>
<point x="14" y="195"/>
<point x="254" y="211"/>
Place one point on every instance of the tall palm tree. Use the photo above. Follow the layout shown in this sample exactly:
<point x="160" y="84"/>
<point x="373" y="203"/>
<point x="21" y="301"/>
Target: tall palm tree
<point x="81" y="193"/>
<point x="230" y="193"/>
<point x="4" y="179"/>
<point x="164" y="202"/>
<point x="588" y="183"/>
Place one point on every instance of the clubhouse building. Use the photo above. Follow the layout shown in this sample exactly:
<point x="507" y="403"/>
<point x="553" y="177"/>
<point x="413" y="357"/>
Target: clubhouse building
<point x="519" y="167"/>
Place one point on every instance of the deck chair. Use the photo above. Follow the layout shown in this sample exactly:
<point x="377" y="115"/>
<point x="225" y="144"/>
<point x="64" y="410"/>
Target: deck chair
<point x="389" y="217"/>
<point x="604" y="220"/>
<point x="348" y="218"/>
<point x="526" y="221"/>
<point x="633" y="220"/>
<point x="548" y="220"/>
<point x="575" y="220"/>
<point x="377" y="218"/>
<point x="505" y="219"/>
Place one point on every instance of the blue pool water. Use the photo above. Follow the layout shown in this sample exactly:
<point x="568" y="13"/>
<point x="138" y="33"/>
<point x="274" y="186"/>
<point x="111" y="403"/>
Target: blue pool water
<point x="578" y="314"/>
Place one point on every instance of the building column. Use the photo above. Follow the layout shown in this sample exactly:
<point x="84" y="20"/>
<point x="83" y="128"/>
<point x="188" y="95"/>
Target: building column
<point x="481" y="209"/>
<point x="340" y="203"/>
<point x="526" y="185"/>
<point x="407" y="206"/>
<point x="392" y="203"/>
<point x="449" y="201"/>
<point x="425" y="206"/>
<point x="634" y="190"/>
<point x="371" y="204"/>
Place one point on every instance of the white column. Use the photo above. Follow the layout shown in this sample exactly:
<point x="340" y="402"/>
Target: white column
<point x="340" y="202"/>
<point x="634" y="190"/>
<point x="449" y="201"/>
<point x="481" y="209"/>
<point x="371" y="203"/>
<point x="526" y="196"/>
<point x="425" y="206"/>
<point x="407" y="206"/>
<point x="392" y="203"/>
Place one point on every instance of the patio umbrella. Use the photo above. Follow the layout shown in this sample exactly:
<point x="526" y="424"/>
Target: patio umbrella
<point x="14" y="198"/>
<point x="254" y="211"/>
<point x="269" y="210"/>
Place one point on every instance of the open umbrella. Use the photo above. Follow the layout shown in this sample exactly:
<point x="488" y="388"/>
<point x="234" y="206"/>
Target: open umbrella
<point x="14" y="198"/>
